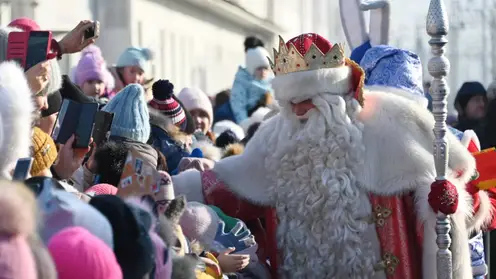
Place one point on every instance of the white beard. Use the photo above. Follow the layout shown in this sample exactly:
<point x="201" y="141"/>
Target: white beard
<point x="322" y="210"/>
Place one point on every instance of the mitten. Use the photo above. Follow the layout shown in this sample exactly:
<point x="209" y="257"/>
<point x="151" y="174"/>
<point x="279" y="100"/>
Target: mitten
<point x="443" y="197"/>
<point x="239" y="237"/>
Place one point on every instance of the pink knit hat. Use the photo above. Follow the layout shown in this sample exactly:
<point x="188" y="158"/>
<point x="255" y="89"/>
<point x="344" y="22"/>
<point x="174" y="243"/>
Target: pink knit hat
<point x="17" y="221"/>
<point x="101" y="189"/>
<point x="200" y="222"/>
<point x="80" y="255"/>
<point x="92" y="66"/>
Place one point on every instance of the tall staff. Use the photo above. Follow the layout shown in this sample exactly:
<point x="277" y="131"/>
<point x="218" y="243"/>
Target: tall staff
<point x="437" y="27"/>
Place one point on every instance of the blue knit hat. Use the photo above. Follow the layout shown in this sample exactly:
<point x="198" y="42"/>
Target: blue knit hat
<point x="393" y="67"/>
<point x="131" y="118"/>
<point x="135" y="56"/>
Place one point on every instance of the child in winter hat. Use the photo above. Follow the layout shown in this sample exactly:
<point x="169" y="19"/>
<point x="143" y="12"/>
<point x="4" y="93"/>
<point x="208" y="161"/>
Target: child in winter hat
<point x="79" y="254"/>
<point x="17" y="223"/>
<point x="17" y="117"/>
<point x="165" y="101"/>
<point x="199" y="106"/>
<point x="44" y="153"/>
<point x="252" y="85"/>
<point x="131" y="117"/>
<point x="91" y="73"/>
<point x="131" y="67"/>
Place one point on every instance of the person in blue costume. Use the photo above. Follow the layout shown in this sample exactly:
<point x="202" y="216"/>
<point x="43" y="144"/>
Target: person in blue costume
<point x="252" y="84"/>
<point x="401" y="71"/>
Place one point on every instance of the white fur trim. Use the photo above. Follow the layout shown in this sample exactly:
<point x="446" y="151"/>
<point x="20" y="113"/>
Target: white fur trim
<point x="16" y="116"/>
<point x="257" y="117"/>
<point x="307" y="84"/>
<point x="189" y="184"/>
<point x="209" y="151"/>
<point x="468" y="136"/>
<point x="422" y="101"/>
<point x="484" y="215"/>
<point x="396" y="129"/>
<point x="256" y="58"/>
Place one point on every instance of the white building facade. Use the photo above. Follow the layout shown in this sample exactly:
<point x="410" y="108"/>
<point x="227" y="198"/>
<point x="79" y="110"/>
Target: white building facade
<point x="195" y="42"/>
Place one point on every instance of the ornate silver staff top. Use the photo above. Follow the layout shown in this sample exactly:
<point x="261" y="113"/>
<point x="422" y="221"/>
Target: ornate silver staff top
<point x="437" y="27"/>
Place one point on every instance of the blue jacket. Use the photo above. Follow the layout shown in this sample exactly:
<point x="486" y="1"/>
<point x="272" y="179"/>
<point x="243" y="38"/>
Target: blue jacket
<point x="246" y="92"/>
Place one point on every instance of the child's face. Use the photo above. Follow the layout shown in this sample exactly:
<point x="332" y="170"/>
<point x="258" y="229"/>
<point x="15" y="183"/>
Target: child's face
<point x="93" y="88"/>
<point x="133" y="74"/>
<point x="202" y="121"/>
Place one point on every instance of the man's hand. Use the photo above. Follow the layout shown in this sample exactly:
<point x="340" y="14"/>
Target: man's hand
<point x="74" y="41"/>
<point x="38" y="76"/>
<point x="232" y="263"/>
<point x="69" y="159"/>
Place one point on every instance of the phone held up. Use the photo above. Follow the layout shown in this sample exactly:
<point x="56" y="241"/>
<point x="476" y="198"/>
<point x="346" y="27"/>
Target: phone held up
<point x="93" y="31"/>
<point x="29" y="48"/>
<point x="22" y="169"/>
<point x="75" y="119"/>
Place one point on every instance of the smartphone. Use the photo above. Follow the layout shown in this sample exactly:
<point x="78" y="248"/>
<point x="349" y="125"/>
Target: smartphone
<point x="66" y="122"/>
<point x="101" y="130"/>
<point x="75" y="119"/>
<point x="22" y="169"/>
<point x="92" y="31"/>
<point x="29" y="48"/>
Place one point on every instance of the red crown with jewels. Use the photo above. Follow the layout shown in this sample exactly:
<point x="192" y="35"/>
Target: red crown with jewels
<point x="311" y="51"/>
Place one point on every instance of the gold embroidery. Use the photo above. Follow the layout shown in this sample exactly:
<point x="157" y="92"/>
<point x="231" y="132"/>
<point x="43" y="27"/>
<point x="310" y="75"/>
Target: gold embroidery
<point x="389" y="263"/>
<point x="380" y="214"/>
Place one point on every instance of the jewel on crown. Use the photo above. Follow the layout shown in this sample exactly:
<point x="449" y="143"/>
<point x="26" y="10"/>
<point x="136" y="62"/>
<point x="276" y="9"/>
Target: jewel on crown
<point x="289" y="60"/>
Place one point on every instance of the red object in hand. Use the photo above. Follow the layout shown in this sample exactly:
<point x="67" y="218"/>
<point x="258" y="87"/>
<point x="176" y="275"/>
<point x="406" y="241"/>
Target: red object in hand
<point x="443" y="197"/>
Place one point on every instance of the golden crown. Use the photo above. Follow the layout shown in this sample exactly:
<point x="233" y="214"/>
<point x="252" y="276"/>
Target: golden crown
<point x="290" y="60"/>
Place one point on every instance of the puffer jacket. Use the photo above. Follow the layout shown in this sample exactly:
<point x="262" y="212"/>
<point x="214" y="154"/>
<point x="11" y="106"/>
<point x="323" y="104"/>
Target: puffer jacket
<point x="246" y="94"/>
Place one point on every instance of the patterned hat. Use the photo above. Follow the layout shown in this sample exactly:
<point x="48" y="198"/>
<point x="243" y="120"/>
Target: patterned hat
<point x="163" y="100"/>
<point x="44" y="151"/>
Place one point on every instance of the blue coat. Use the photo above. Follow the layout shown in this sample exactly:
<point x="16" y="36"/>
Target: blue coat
<point x="246" y="92"/>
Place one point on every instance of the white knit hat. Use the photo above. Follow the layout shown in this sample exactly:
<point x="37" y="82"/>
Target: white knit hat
<point x="195" y="98"/>
<point x="200" y="222"/>
<point x="256" y="58"/>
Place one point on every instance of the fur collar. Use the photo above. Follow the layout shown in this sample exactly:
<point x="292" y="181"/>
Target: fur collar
<point x="159" y="120"/>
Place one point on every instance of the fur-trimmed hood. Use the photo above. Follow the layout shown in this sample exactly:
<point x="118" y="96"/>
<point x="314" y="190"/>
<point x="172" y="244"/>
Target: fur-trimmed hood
<point x="161" y="121"/>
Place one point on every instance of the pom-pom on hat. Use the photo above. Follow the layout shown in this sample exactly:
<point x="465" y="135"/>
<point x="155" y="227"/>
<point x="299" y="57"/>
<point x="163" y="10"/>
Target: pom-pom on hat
<point x="135" y="56"/>
<point x="164" y="101"/>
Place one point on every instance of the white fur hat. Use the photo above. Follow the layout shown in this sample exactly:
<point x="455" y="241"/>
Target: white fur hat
<point x="16" y="116"/>
<point x="256" y="58"/>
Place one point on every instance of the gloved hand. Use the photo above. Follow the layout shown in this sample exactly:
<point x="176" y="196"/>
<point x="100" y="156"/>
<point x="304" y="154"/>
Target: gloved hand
<point x="239" y="237"/>
<point x="443" y="197"/>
